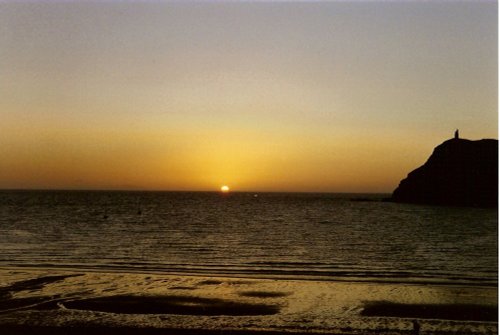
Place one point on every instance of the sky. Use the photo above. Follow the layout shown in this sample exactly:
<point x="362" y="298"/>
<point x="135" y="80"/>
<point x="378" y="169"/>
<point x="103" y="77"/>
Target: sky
<point x="317" y="96"/>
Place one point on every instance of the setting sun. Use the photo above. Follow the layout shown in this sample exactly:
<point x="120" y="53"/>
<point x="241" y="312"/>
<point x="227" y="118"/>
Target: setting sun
<point x="224" y="188"/>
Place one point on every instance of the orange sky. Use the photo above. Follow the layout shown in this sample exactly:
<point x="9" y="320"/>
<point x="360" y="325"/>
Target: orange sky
<point x="325" y="96"/>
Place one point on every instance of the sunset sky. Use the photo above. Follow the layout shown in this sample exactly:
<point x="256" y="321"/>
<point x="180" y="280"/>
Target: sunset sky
<point x="260" y="96"/>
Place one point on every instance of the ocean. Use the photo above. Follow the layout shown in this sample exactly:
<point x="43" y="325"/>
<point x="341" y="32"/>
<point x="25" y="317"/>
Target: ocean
<point x="336" y="237"/>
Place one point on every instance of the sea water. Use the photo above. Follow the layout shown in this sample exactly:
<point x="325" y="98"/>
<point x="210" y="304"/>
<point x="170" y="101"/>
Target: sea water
<point x="270" y="235"/>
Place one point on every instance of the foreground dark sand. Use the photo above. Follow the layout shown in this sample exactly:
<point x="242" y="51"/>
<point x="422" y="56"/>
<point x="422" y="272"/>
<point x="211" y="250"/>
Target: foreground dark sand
<point x="64" y="302"/>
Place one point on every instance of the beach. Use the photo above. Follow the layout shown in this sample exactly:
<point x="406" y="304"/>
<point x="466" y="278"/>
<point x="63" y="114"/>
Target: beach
<point x="266" y="167"/>
<point x="202" y="263"/>
<point x="43" y="301"/>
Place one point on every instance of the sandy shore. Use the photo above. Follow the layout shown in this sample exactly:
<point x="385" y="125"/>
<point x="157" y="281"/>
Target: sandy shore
<point x="73" y="302"/>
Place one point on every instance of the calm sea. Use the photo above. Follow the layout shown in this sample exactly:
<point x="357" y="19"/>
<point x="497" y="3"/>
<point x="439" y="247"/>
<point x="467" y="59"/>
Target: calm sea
<point x="302" y="236"/>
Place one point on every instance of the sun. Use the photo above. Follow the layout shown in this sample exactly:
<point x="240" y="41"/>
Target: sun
<point x="224" y="188"/>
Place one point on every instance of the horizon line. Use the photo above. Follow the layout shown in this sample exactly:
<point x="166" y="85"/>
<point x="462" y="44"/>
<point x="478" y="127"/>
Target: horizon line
<point x="172" y="191"/>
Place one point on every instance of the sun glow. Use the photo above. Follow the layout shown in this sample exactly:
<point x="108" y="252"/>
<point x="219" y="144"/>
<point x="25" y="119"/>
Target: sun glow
<point x="224" y="189"/>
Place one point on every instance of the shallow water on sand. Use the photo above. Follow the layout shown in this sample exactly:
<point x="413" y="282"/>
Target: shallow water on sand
<point x="320" y="236"/>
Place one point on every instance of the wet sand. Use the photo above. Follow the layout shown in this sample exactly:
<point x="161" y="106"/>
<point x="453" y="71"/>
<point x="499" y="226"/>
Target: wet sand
<point x="73" y="302"/>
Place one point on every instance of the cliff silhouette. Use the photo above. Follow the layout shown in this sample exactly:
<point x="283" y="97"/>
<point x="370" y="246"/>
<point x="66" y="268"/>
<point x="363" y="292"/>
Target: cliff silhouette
<point x="459" y="172"/>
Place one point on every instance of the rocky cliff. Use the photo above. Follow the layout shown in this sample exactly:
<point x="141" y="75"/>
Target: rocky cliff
<point x="458" y="173"/>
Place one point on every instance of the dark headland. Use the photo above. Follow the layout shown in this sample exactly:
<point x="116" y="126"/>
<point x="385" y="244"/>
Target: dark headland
<point x="459" y="172"/>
